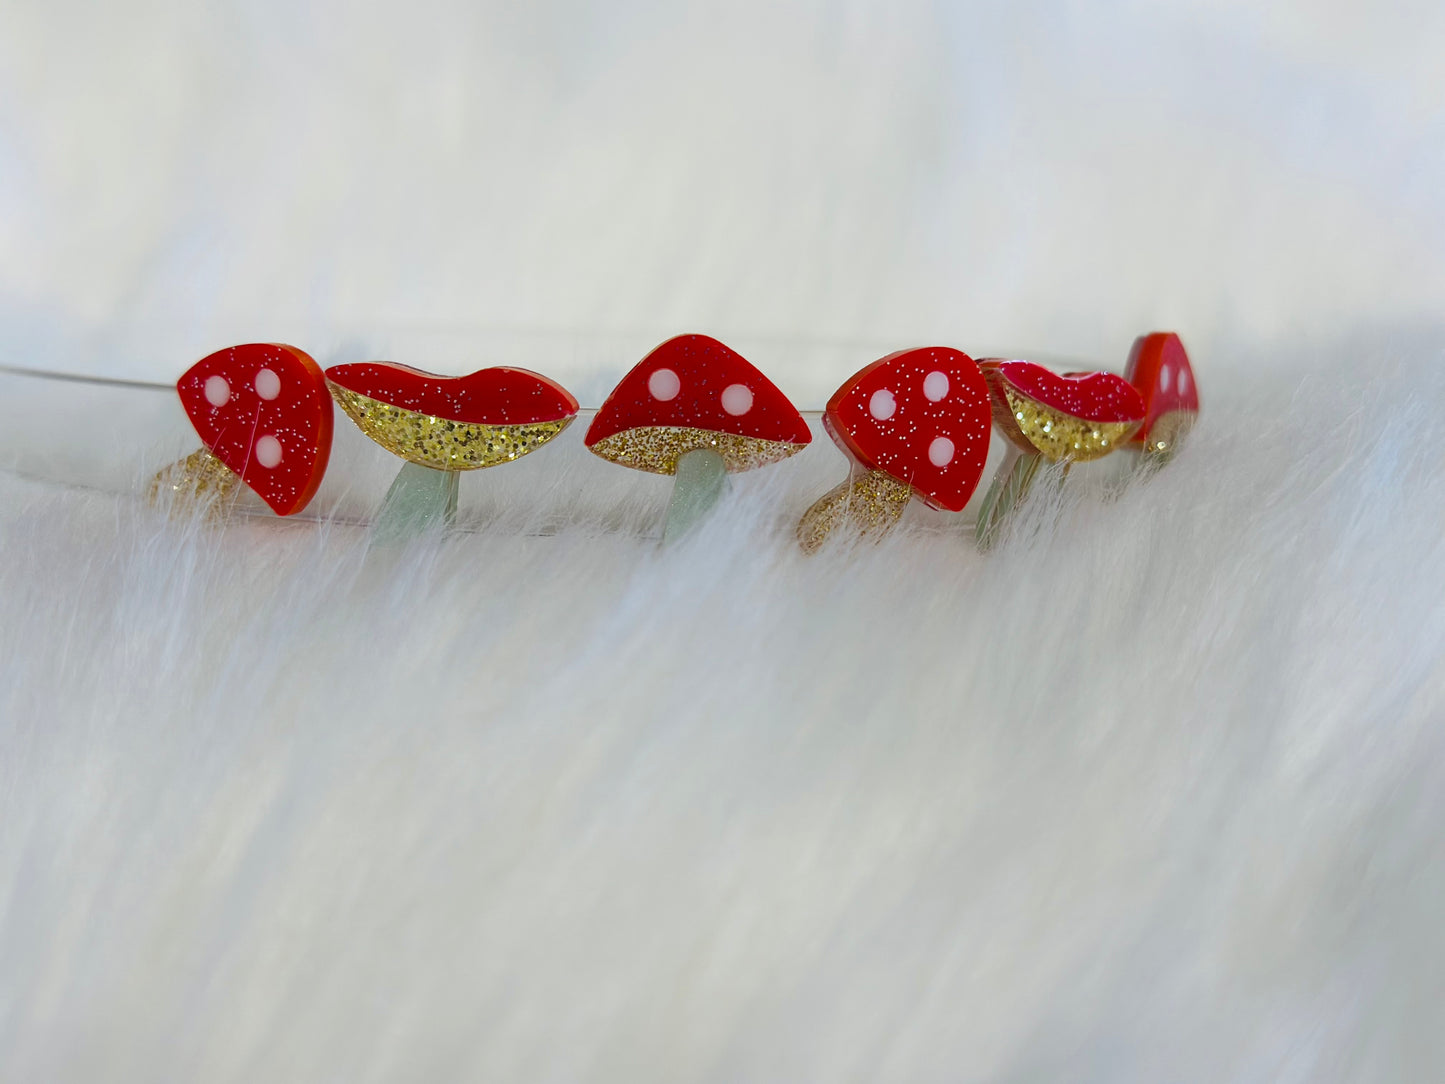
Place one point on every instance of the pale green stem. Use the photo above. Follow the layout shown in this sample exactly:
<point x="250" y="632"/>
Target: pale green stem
<point x="701" y="477"/>
<point x="1009" y="489"/>
<point x="421" y="499"/>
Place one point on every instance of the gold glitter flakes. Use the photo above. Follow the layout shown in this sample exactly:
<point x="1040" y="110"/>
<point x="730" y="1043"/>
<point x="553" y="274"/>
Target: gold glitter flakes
<point x="657" y="448"/>
<point x="198" y="481"/>
<point x="445" y="445"/>
<point x="1167" y="432"/>
<point x="1058" y="436"/>
<point x="870" y="502"/>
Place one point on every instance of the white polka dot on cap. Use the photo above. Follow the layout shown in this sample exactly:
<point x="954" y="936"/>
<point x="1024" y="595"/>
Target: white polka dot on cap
<point x="268" y="451"/>
<point x="217" y="391"/>
<point x="737" y="399"/>
<point x="663" y="385"/>
<point x="882" y="404"/>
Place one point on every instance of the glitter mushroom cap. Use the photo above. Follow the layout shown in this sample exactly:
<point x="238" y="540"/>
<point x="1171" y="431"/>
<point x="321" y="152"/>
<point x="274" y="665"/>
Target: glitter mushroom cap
<point x="1075" y="417"/>
<point x="691" y="393"/>
<point x="452" y="423"/>
<point x="920" y="416"/>
<point x="1159" y="369"/>
<point x="263" y="411"/>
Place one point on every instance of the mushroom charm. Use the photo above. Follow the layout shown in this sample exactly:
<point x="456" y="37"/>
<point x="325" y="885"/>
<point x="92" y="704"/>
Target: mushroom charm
<point x="1046" y="417"/>
<point x="915" y="424"/>
<point x="262" y="411"/>
<point x="695" y="409"/>
<point x="1159" y="368"/>
<point x="442" y="425"/>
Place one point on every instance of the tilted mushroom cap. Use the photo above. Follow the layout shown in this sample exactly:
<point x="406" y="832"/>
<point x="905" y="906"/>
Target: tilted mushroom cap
<point x="1159" y="368"/>
<point x="920" y="416"/>
<point x="1076" y="417"/>
<point x="263" y="411"/>
<point x="452" y="422"/>
<point x="693" y="392"/>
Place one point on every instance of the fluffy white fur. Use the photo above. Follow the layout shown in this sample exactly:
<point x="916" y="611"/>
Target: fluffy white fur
<point x="1154" y="792"/>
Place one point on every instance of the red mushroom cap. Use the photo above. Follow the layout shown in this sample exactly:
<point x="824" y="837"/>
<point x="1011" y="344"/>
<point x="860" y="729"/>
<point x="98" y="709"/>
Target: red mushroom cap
<point x="694" y="392"/>
<point x="1159" y="368"/>
<point x="263" y="410"/>
<point x="1091" y="397"/>
<point x="1077" y="416"/>
<point x="920" y="416"/>
<point x="452" y="423"/>
<point x="496" y="396"/>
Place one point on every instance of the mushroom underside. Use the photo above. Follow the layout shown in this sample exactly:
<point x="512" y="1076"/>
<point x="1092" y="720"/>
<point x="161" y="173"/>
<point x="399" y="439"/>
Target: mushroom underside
<point x="431" y="441"/>
<point x="657" y="448"/>
<point x="1057" y="436"/>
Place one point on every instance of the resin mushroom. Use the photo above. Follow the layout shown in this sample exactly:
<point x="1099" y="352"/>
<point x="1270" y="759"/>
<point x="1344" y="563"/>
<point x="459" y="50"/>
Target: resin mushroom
<point x="1159" y="369"/>
<point x="263" y="413"/>
<point x="695" y="409"/>
<point x="1046" y="417"/>
<point x="442" y="425"/>
<point x="914" y="424"/>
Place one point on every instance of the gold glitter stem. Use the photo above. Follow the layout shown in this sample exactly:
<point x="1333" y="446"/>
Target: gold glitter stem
<point x="198" y="483"/>
<point x="870" y="502"/>
<point x="701" y="476"/>
<point x="1165" y="437"/>
<point x="1008" y="491"/>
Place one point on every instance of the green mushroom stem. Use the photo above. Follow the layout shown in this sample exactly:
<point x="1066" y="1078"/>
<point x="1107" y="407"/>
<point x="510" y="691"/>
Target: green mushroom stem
<point x="1009" y="489"/>
<point x="421" y="499"/>
<point x="700" y="480"/>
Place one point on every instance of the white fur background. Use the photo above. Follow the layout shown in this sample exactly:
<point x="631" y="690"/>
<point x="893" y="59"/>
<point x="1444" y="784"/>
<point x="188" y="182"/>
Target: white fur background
<point x="1155" y="791"/>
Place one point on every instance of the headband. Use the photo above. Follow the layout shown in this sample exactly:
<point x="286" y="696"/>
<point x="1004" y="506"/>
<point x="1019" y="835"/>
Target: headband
<point x="916" y="424"/>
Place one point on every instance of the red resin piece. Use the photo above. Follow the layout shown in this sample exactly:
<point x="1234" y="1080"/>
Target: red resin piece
<point x="496" y="396"/>
<point x="695" y="382"/>
<point x="1092" y="397"/>
<point x="263" y="410"/>
<point x="921" y="416"/>
<point x="1159" y="368"/>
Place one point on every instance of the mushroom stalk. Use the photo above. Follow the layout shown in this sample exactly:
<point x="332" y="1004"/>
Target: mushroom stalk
<point x="701" y="478"/>
<point x="200" y="480"/>
<point x="1165" y="436"/>
<point x="1009" y="489"/>
<point x="870" y="501"/>
<point x="421" y="499"/>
